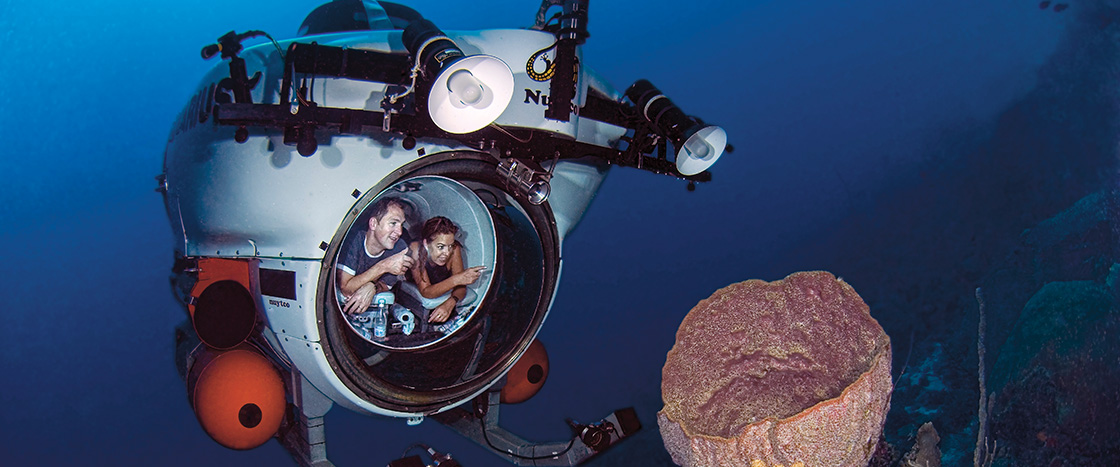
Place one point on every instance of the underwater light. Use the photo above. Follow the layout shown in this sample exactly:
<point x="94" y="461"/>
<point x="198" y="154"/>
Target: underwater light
<point x="531" y="184"/>
<point x="468" y="92"/>
<point x="698" y="146"/>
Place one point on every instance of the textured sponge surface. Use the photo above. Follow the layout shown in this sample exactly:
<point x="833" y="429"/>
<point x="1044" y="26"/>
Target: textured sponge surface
<point x="758" y="359"/>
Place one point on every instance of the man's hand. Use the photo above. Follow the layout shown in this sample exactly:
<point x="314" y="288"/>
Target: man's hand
<point x="360" y="300"/>
<point x="398" y="264"/>
<point x="442" y="312"/>
<point x="468" y="276"/>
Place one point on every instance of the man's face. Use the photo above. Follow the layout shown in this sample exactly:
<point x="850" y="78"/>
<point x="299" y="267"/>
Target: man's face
<point x="387" y="230"/>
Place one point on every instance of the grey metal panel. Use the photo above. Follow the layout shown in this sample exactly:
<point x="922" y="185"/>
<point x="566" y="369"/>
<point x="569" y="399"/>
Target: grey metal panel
<point x="262" y="198"/>
<point x="294" y="318"/>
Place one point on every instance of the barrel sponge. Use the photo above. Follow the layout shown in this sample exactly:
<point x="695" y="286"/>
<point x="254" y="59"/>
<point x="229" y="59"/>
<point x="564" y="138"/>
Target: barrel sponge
<point x="793" y="372"/>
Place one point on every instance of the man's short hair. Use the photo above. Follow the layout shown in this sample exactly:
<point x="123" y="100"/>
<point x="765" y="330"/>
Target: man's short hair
<point x="379" y="208"/>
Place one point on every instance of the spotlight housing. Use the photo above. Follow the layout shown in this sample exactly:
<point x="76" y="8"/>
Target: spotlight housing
<point x="531" y="184"/>
<point x="467" y="92"/>
<point x="698" y="146"/>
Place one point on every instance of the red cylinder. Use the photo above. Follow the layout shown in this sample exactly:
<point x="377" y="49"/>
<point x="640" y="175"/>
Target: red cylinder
<point x="237" y="395"/>
<point x="527" y="376"/>
<point x="224" y="305"/>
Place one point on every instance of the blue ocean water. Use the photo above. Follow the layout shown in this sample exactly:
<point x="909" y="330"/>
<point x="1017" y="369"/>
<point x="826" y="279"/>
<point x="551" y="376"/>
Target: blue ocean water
<point x="905" y="147"/>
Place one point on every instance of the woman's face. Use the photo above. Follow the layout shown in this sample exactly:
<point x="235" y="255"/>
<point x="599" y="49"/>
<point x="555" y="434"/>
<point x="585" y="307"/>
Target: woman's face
<point x="439" y="248"/>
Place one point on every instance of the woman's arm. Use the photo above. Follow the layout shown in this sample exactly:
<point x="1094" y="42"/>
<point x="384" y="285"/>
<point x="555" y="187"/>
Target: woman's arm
<point x="456" y="264"/>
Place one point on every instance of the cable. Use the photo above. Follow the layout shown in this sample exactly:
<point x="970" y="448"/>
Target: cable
<point x="543" y="10"/>
<point x="422" y="446"/>
<point x="416" y="68"/>
<point x="503" y="130"/>
<point x="276" y="44"/>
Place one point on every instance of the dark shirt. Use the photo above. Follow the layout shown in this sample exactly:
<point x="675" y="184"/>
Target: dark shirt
<point x="354" y="259"/>
<point x="437" y="273"/>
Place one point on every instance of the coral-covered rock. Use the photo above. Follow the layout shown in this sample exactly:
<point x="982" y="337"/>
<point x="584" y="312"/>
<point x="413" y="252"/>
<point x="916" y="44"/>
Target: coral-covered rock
<point x="925" y="451"/>
<point x="788" y="372"/>
<point x="1058" y="403"/>
<point x="1078" y="244"/>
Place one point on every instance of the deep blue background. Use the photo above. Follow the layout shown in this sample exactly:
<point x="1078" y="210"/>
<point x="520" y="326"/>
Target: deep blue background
<point x="839" y="113"/>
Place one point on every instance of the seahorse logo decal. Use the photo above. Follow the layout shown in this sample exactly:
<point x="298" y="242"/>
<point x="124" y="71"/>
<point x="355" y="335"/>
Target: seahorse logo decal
<point x="549" y="65"/>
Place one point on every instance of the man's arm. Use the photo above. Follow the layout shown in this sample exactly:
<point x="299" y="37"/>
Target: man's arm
<point x="396" y="265"/>
<point x="350" y="283"/>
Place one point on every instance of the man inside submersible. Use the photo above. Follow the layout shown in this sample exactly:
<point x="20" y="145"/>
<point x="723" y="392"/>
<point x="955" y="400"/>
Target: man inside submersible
<point x="373" y="261"/>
